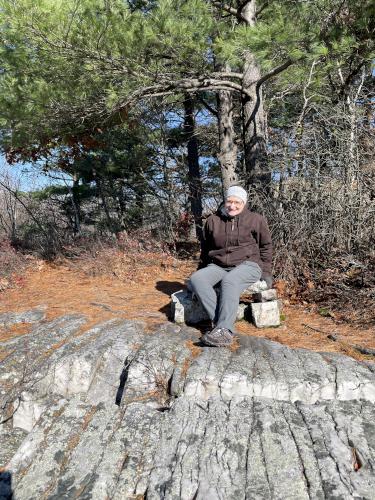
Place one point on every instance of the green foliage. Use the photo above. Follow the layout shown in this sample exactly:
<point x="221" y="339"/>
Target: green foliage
<point x="68" y="70"/>
<point x="326" y="313"/>
<point x="82" y="192"/>
<point x="68" y="64"/>
<point x="331" y="30"/>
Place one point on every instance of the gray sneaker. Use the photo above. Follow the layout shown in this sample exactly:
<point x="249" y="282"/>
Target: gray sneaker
<point x="218" y="337"/>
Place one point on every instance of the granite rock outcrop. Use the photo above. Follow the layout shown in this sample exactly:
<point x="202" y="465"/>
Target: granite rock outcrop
<point x="120" y="413"/>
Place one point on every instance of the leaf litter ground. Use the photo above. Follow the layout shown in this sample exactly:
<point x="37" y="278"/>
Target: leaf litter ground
<point x="138" y="287"/>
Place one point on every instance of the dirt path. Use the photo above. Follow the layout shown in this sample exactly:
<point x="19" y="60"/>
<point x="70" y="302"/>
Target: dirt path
<point x="142" y="292"/>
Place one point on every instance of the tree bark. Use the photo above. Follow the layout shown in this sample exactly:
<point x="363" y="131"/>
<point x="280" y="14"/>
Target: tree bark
<point x="76" y="206"/>
<point x="253" y="115"/>
<point x="194" y="174"/>
<point x="227" y="155"/>
<point x="102" y="195"/>
<point x="140" y="202"/>
<point x="121" y="207"/>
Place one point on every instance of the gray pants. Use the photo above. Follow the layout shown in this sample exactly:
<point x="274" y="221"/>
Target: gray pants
<point x="233" y="281"/>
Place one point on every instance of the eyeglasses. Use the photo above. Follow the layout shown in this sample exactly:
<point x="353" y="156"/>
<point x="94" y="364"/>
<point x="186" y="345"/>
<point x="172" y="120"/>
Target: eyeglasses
<point x="236" y="203"/>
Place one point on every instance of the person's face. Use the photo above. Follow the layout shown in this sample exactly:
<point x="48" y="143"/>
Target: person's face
<point x="234" y="205"/>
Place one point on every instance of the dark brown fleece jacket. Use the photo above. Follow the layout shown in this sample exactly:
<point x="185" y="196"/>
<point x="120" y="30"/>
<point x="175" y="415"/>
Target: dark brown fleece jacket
<point x="229" y="241"/>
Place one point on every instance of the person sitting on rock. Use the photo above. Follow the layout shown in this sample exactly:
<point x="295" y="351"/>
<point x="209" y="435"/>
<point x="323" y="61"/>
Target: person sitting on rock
<point x="236" y="251"/>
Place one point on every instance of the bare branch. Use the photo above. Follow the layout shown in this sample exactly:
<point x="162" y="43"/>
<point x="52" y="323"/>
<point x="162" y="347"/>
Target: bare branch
<point x="305" y="98"/>
<point x="18" y="198"/>
<point x="228" y="74"/>
<point x="186" y="85"/>
<point x="208" y="106"/>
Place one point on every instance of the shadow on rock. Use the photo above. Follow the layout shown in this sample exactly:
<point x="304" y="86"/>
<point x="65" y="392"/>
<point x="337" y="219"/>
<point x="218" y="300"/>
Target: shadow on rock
<point x="6" y="492"/>
<point x="167" y="311"/>
<point x="123" y="378"/>
<point x="169" y="287"/>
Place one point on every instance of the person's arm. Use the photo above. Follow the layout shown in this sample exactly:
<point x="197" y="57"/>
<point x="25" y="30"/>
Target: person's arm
<point x="265" y="249"/>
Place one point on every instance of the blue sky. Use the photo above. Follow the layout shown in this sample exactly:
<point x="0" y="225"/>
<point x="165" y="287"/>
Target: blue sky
<point x="27" y="175"/>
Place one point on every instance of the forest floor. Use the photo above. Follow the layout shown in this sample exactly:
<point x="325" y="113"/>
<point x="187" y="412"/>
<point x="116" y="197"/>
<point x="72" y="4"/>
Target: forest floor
<point x="114" y="284"/>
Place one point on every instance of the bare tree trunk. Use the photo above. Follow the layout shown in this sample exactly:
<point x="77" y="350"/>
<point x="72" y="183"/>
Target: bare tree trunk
<point x="352" y="192"/>
<point x="253" y="115"/>
<point x="140" y="202"/>
<point x="102" y="195"/>
<point x="9" y="207"/>
<point x="121" y="210"/>
<point x="227" y="146"/>
<point x="194" y="174"/>
<point x="76" y="206"/>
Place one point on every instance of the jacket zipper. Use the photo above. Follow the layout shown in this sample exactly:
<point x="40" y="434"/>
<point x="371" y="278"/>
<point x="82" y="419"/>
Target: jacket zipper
<point x="227" y="243"/>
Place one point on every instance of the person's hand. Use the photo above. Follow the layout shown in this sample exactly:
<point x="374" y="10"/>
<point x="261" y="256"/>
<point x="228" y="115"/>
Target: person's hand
<point x="268" y="279"/>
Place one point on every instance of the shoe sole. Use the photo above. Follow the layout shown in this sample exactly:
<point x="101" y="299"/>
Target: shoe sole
<point x="215" y="344"/>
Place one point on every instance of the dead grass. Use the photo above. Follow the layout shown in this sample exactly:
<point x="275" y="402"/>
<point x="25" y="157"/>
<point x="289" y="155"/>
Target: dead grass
<point x="13" y="265"/>
<point x="64" y="288"/>
<point x="153" y="394"/>
<point x="7" y="333"/>
<point x="194" y="349"/>
<point x="88" y="417"/>
<point x="185" y="367"/>
<point x="235" y="345"/>
<point x="344" y="290"/>
<point x="295" y="332"/>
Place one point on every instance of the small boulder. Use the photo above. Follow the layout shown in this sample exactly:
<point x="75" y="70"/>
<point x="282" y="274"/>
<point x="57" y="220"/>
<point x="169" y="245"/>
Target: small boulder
<point x="265" y="295"/>
<point x="265" y="314"/>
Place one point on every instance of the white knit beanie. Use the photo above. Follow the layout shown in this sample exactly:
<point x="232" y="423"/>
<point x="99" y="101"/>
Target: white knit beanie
<point x="238" y="192"/>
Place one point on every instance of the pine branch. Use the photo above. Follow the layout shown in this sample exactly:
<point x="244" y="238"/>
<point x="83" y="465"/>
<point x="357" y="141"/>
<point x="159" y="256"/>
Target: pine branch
<point x="258" y="12"/>
<point x="231" y="10"/>
<point x="275" y="71"/>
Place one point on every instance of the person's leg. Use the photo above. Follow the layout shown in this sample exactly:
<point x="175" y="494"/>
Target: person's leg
<point x="232" y="285"/>
<point x="202" y="283"/>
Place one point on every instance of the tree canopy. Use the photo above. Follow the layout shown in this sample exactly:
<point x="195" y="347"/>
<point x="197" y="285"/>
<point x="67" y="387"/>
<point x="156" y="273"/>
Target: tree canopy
<point x="70" y="67"/>
<point x="150" y="105"/>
